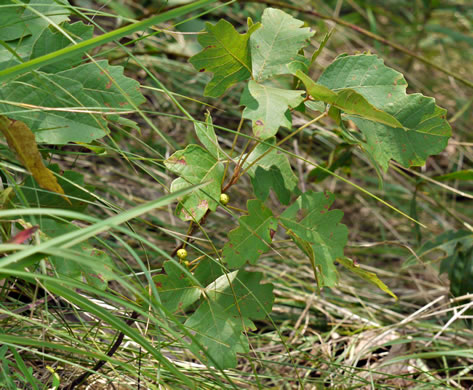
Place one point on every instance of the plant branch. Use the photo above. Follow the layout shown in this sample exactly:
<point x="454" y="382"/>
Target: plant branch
<point x="81" y="378"/>
<point x="283" y="140"/>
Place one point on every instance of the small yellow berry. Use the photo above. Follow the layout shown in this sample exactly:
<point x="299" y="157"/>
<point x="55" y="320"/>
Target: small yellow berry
<point x="182" y="253"/>
<point x="187" y="263"/>
<point x="224" y="199"/>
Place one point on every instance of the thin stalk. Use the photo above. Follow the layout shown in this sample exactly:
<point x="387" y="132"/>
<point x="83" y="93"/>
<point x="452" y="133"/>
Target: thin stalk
<point x="289" y="136"/>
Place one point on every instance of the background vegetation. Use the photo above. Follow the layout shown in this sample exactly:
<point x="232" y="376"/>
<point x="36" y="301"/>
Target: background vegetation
<point x="350" y="336"/>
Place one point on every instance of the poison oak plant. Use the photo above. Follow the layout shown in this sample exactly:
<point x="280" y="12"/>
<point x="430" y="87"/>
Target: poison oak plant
<point x="51" y="94"/>
<point x="390" y="125"/>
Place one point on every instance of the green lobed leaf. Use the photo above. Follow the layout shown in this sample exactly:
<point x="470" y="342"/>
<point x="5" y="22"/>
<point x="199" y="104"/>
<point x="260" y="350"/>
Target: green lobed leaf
<point x="266" y="179"/>
<point x="207" y="271"/>
<point x="12" y="25"/>
<point x="21" y="28"/>
<point x="65" y="99"/>
<point x="51" y="40"/>
<point x="60" y="104"/>
<point x="242" y="294"/>
<point x="218" y="332"/>
<point x="310" y="219"/>
<point x="55" y="123"/>
<point x="232" y="301"/>
<point x="425" y="132"/>
<point x="252" y="238"/>
<point x="277" y="43"/>
<point x="284" y="183"/>
<point x="195" y="165"/>
<point x="107" y="85"/>
<point x="176" y="290"/>
<point x="226" y="54"/>
<point x="268" y="107"/>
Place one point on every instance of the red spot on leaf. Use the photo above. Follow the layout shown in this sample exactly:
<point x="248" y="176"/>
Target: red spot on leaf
<point x="109" y="85"/>
<point x="24" y="235"/>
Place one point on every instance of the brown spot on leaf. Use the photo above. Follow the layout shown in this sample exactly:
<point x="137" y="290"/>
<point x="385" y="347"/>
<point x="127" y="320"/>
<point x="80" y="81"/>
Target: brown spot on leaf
<point x="203" y="204"/>
<point x="109" y="85"/>
<point x="259" y="122"/>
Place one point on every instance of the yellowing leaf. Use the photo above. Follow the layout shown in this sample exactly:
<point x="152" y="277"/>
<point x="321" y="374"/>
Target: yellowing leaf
<point x="21" y="139"/>
<point x="348" y="100"/>
<point x="366" y="275"/>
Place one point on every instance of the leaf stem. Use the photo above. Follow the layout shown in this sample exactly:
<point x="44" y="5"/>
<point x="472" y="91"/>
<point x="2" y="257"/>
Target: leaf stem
<point x="289" y="136"/>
